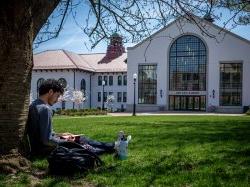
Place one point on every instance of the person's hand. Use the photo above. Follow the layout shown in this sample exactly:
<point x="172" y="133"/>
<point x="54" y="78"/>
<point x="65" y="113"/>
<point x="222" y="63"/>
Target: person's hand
<point x="71" y="139"/>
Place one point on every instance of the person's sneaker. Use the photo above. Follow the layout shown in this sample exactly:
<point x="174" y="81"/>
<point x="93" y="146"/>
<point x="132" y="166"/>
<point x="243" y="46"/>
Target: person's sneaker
<point x="129" y="138"/>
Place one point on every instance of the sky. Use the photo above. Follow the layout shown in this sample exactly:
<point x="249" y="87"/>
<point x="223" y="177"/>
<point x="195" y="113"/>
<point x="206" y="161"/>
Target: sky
<point x="73" y="39"/>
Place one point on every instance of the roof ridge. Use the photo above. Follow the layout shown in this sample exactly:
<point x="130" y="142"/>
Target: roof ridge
<point x="47" y="50"/>
<point x="87" y="63"/>
<point x="92" y="53"/>
<point x="91" y="68"/>
<point x="64" y="51"/>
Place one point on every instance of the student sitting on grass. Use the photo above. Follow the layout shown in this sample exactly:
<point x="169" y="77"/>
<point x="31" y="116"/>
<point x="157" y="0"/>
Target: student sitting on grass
<point x="39" y="126"/>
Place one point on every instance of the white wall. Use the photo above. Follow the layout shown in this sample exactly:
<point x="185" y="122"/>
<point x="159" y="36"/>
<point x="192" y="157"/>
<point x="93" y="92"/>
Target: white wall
<point x="52" y="74"/>
<point x="79" y="75"/>
<point x="115" y="88"/>
<point x="91" y="89"/>
<point x="224" y="48"/>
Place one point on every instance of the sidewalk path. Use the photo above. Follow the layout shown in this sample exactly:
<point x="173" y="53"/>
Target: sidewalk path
<point x="172" y="114"/>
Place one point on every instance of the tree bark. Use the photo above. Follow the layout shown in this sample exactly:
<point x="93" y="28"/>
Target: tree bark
<point x="16" y="37"/>
<point x="17" y="32"/>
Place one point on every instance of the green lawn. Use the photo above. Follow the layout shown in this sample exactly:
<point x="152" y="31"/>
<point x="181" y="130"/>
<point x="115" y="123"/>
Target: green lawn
<point x="164" y="151"/>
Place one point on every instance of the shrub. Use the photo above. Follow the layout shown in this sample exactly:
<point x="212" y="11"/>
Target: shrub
<point x="248" y="112"/>
<point x="81" y="112"/>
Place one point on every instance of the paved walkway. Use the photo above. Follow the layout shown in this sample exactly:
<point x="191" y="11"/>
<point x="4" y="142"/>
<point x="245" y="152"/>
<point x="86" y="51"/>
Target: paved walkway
<point x="170" y="113"/>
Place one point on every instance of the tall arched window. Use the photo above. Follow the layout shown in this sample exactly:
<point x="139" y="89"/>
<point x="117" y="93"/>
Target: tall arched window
<point x="187" y="67"/>
<point x="83" y="86"/>
<point x="38" y="84"/>
<point x="125" y="80"/>
<point x="119" y="80"/>
<point x="63" y="82"/>
<point x="187" y="73"/>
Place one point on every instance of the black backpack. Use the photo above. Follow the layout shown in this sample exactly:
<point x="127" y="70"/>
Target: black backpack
<point x="69" y="158"/>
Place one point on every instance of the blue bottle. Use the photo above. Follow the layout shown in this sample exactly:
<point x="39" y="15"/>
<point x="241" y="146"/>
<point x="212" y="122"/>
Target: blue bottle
<point x="122" y="148"/>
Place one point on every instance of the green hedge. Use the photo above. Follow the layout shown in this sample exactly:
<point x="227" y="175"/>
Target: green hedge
<point x="248" y="112"/>
<point x="81" y="112"/>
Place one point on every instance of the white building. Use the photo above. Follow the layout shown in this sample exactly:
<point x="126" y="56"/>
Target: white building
<point x="178" y="68"/>
<point x="85" y="72"/>
<point x="181" y="68"/>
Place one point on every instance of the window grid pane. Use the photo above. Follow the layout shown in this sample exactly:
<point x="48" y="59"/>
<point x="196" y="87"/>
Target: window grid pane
<point x="99" y="80"/>
<point x="83" y="86"/>
<point x="106" y="80"/>
<point x="119" y="96"/>
<point x="110" y="80"/>
<point x="124" y="97"/>
<point x="230" y="84"/>
<point x="187" y="67"/>
<point x="119" y="80"/>
<point x="147" y="84"/>
<point x="125" y="80"/>
<point x="99" y="97"/>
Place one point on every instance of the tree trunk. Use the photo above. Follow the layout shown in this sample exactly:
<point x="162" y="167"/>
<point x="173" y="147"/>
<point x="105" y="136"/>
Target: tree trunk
<point x="16" y="37"/>
<point x="20" y="22"/>
<point x="17" y="32"/>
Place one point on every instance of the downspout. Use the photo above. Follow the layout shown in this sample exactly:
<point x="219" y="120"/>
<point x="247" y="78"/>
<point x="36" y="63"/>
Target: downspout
<point x="74" y="85"/>
<point x="90" y="104"/>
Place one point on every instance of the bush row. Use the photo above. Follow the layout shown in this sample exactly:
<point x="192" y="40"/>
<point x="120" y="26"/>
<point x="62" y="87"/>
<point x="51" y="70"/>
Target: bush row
<point x="248" y="112"/>
<point x="81" y="112"/>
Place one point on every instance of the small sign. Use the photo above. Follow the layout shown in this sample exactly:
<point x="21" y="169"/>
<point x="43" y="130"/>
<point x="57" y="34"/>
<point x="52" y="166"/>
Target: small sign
<point x="187" y="92"/>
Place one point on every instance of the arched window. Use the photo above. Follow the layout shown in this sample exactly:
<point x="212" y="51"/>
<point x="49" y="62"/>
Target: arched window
<point x="119" y="80"/>
<point x="63" y="82"/>
<point x="83" y="85"/>
<point x="99" y="80"/>
<point x="110" y="80"/>
<point x="125" y="80"/>
<point x="38" y="84"/>
<point x="187" y="67"/>
<point x="187" y="73"/>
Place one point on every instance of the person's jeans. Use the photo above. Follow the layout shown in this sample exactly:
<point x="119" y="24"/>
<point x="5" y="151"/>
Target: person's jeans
<point x="96" y="146"/>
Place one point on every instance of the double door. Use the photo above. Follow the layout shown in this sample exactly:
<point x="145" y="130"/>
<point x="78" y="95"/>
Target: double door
<point x="191" y="103"/>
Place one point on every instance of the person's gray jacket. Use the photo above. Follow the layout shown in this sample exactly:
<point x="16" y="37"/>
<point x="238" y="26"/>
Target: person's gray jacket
<point x="39" y="126"/>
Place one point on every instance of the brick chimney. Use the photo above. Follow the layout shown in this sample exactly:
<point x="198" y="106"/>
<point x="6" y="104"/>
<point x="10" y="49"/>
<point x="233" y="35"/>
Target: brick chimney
<point x="114" y="49"/>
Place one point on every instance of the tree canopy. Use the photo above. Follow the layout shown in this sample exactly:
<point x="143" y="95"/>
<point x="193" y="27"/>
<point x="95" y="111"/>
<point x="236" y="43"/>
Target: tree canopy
<point x="137" y="19"/>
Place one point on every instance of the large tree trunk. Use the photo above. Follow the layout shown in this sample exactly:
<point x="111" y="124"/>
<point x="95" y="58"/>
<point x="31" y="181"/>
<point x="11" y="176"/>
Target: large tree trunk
<point x="17" y="32"/>
<point x="16" y="37"/>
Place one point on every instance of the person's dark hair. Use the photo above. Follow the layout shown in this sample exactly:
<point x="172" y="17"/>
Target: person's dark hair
<point x="50" y="84"/>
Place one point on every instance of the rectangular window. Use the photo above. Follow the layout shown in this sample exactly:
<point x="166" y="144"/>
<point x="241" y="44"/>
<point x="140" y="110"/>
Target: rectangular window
<point x="119" y="96"/>
<point x="230" y="84"/>
<point x="106" y="80"/>
<point x="119" y="80"/>
<point x="99" y="80"/>
<point x="147" y="84"/>
<point x="110" y="80"/>
<point x="124" y="97"/>
<point x="105" y="96"/>
<point x="99" y="98"/>
<point x="125" y="80"/>
<point x="110" y="93"/>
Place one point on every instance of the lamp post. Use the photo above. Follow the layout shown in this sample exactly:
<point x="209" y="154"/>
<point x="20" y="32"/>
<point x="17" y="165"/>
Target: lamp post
<point x="134" y="77"/>
<point x="103" y="84"/>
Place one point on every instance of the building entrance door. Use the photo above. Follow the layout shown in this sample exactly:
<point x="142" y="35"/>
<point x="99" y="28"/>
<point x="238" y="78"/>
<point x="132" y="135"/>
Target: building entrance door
<point x="189" y="103"/>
